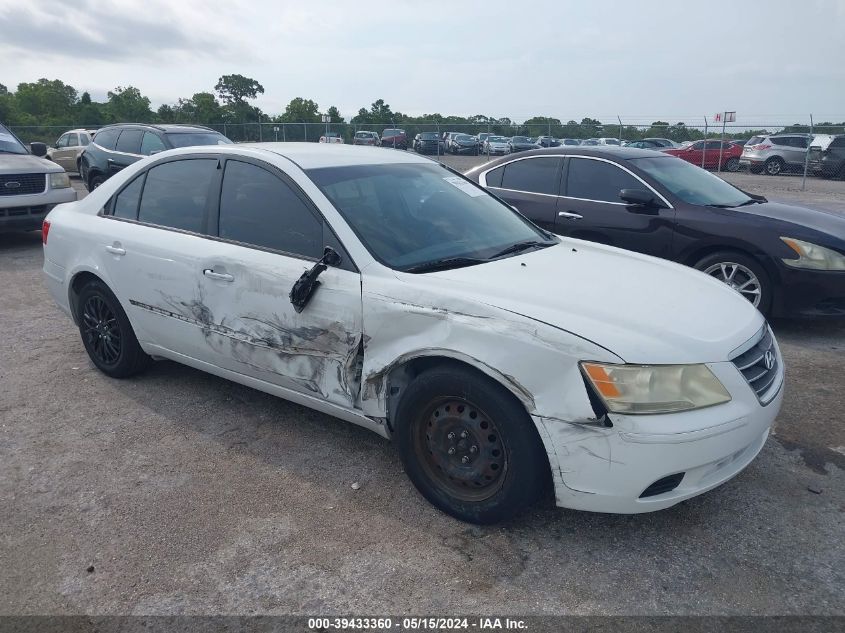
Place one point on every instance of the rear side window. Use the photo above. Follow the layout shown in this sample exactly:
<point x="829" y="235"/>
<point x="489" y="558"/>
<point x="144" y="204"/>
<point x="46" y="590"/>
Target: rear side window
<point x="534" y="175"/>
<point x="259" y="208"/>
<point x="107" y="138"/>
<point x="598" y="180"/>
<point x="494" y="177"/>
<point x="72" y="140"/>
<point x="755" y="140"/>
<point x="176" y="193"/>
<point x="129" y="141"/>
<point x="151" y="143"/>
<point x="126" y="202"/>
<point x="84" y="139"/>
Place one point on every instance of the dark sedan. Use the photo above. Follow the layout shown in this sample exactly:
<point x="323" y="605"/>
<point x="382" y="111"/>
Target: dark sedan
<point x="786" y="260"/>
<point x="427" y="143"/>
<point x="521" y="144"/>
<point x="463" y="144"/>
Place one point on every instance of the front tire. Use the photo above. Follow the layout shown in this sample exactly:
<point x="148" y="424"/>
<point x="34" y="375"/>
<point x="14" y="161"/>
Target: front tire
<point x="742" y="273"/>
<point x="469" y="446"/>
<point x="773" y="166"/>
<point x="107" y="334"/>
<point x="95" y="182"/>
<point x="732" y="164"/>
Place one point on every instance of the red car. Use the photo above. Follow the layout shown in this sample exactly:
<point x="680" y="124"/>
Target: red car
<point x="709" y="152"/>
<point x="394" y="137"/>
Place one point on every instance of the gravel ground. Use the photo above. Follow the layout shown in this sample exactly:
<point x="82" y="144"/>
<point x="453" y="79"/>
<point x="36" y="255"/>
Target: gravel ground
<point x="178" y="492"/>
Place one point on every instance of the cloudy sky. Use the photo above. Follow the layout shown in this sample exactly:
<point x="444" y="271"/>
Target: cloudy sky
<point x="777" y="59"/>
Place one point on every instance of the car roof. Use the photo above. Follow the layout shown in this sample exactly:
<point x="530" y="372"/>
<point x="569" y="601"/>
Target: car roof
<point x="163" y="127"/>
<point x="615" y="152"/>
<point x="316" y="155"/>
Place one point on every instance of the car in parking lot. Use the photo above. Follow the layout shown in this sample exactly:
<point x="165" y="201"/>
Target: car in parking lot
<point x="520" y="144"/>
<point x="643" y="145"/>
<point x="427" y="143"/>
<point x="787" y="261"/>
<point x="570" y="141"/>
<point x="775" y="153"/>
<point x="495" y="145"/>
<point x="115" y="147"/>
<point x="462" y="144"/>
<point x="331" y="137"/>
<point x="68" y="148"/>
<point x="395" y="138"/>
<point x="30" y="185"/>
<point x="828" y="159"/>
<point x="364" y="137"/>
<point x="547" y="141"/>
<point x="710" y="154"/>
<point x="387" y="290"/>
<point x="662" y="142"/>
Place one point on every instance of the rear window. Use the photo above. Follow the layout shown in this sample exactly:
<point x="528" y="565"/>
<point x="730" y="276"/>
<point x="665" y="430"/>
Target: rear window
<point x="534" y="175"/>
<point x="129" y="141"/>
<point x="755" y="140"/>
<point x="175" y="194"/>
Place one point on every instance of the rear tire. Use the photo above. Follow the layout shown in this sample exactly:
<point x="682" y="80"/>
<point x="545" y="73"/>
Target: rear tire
<point x="732" y="164"/>
<point x="773" y="166"/>
<point x="469" y="446"/>
<point x="741" y="272"/>
<point x="106" y="333"/>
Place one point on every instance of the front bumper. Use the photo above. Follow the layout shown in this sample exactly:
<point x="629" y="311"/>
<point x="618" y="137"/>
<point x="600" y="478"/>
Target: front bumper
<point x="26" y="213"/>
<point x="609" y="469"/>
<point x="809" y="293"/>
<point x="464" y="149"/>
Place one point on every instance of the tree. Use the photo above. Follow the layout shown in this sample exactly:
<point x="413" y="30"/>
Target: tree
<point x="128" y="104"/>
<point x="47" y="102"/>
<point x="334" y="113"/>
<point x="236" y="89"/>
<point x="301" y="110"/>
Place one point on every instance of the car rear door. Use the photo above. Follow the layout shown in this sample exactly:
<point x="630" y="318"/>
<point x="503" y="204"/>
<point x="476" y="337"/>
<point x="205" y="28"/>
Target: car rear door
<point x="127" y="150"/>
<point x="530" y="184"/>
<point x="65" y="153"/>
<point x="590" y="208"/>
<point x="268" y="234"/>
<point x="795" y="150"/>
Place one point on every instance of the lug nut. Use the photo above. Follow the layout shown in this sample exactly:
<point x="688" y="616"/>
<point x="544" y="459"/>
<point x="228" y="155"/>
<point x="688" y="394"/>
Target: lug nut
<point x="452" y="451"/>
<point x="451" y="435"/>
<point x="464" y="434"/>
<point x="473" y="449"/>
<point x="464" y="459"/>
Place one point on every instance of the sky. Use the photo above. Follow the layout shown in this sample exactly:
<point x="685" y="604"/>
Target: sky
<point x="770" y="61"/>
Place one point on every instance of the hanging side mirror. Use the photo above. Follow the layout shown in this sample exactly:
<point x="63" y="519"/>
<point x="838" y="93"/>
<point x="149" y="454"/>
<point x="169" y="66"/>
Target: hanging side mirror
<point x="307" y="284"/>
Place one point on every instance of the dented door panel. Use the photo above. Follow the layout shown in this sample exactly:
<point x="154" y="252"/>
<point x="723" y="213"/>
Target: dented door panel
<point x="253" y="329"/>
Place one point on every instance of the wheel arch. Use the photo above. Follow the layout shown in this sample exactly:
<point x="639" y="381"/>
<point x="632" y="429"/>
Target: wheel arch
<point x="692" y="257"/>
<point x="74" y="287"/>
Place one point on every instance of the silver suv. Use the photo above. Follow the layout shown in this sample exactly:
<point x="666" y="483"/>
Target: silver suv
<point x="775" y="154"/>
<point x="29" y="185"/>
<point x="68" y="148"/>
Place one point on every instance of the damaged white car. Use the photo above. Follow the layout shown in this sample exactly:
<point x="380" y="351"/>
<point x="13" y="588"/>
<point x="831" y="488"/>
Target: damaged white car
<point x="386" y="290"/>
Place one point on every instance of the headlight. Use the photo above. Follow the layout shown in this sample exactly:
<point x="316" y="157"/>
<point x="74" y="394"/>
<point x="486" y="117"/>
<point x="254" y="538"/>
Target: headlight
<point x="813" y="256"/>
<point x="655" y="388"/>
<point x="59" y="180"/>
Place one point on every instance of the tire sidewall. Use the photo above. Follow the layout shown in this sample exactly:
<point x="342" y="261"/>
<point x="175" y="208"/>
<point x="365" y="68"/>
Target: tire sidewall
<point x="527" y="470"/>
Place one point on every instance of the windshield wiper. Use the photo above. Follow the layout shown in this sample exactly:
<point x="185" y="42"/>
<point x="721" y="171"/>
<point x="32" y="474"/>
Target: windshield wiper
<point x="521" y="246"/>
<point x="444" y="264"/>
<point x="750" y="201"/>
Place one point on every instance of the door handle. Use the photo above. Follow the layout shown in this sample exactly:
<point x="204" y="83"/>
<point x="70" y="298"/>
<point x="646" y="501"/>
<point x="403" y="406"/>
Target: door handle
<point x="116" y="250"/>
<point x="208" y="272"/>
<point x="569" y="215"/>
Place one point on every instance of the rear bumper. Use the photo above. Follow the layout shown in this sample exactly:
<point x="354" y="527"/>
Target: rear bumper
<point x="612" y="469"/>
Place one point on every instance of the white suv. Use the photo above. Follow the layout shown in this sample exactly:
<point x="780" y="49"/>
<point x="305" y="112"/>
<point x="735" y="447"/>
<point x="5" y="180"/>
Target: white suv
<point x="69" y="147"/>
<point x="29" y="184"/>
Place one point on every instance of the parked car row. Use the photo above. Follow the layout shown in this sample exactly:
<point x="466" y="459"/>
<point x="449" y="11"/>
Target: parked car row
<point x="501" y="359"/>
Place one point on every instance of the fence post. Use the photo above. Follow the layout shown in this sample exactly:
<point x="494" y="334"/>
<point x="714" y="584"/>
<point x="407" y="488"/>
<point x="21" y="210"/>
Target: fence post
<point x="807" y="155"/>
<point x="704" y="146"/>
<point x="224" y="131"/>
<point x="619" y="118"/>
<point x="260" y="132"/>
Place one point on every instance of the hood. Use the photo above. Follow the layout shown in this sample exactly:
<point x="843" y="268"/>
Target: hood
<point x="26" y="164"/>
<point x="828" y="222"/>
<point x="643" y="309"/>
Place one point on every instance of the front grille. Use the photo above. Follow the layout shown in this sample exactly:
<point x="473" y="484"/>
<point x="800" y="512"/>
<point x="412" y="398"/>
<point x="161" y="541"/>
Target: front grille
<point x="22" y="184"/>
<point x="665" y="484"/>
<point x="759" y="364"/>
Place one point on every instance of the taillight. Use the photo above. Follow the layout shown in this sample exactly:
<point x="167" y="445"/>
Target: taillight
<point x="45" y="229"/>
<point x="761" y="147"/>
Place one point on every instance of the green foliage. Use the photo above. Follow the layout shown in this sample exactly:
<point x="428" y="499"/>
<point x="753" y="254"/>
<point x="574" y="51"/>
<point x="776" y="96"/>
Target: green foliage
<point x="128" y="104"/>
<point x="236" y="89"/>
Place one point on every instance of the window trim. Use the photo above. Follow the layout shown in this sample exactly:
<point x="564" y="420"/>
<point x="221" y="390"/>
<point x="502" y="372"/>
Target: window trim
<point x="668" y="204"/>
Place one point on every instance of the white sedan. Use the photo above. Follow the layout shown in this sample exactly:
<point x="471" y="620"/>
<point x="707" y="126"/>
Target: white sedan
<point x="384" y="289"/>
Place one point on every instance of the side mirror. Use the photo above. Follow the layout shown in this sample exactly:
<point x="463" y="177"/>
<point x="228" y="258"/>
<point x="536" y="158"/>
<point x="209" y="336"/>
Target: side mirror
<point x="307" y="284"/>
<point x="38" y="149"/>
<point x="639" y="198"/>
<point x="331" y="257"/>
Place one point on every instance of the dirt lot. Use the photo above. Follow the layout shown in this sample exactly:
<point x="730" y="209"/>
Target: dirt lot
<point x="178" y="492"/>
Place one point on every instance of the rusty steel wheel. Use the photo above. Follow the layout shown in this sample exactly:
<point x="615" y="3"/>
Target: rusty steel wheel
<point x="461" y="449"/>
<point x="469" y="445"/>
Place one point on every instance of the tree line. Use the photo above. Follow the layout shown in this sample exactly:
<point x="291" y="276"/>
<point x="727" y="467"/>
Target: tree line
<point x="51" y="102"/>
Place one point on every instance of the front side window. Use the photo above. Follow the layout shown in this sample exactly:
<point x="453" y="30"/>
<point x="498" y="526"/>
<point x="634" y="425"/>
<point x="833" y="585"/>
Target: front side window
<point x="62" y="142"/>
<point x="259" y="208"/>
<point x="126" y="202"/>
<point x="533" y="175"/>
<point x="690" y="183"/>
<point x="151" y="143"/>
<point x="598" y="180"/>
<point x="129" y="141"/>
<point x="411" y="215"/>
<point x="107" y="138"/>
<point x="175" y="194"/>
<point x="73" y="140"/>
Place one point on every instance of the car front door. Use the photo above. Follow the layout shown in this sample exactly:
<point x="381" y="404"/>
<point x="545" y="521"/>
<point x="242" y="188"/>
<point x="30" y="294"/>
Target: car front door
<point x="531" y="185"/>
<point x="155" y="231"/>
<point x="127" y="150"/>
<point x="65" y="153"/>
<point x="590" y="208"/>
<point x="694" y="153"/>
<point x="269" y="234"/>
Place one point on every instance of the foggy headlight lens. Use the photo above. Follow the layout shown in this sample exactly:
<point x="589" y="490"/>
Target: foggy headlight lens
<point x="59" y="181"/>
<point x="813" y="256"/>
<point x="655" y="388"/>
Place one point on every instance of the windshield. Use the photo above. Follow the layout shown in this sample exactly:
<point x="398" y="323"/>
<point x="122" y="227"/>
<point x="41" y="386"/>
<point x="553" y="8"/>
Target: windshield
<point x="189" y="139"/>
<point x="408" y="215"/>
<point x="391" y="133"/>
<point x="520" y="139"/>
<point x="690" y="183"/>
<point x="9" y="144"/>
<point x="496" y="139"/>
<point x="464" y="137"/>
<point x="428" y="136"/>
